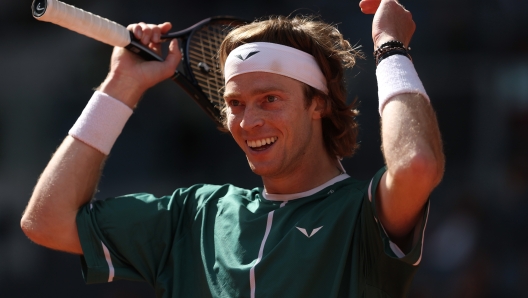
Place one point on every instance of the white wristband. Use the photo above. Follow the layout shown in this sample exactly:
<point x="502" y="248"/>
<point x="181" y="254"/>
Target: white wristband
<point x="396" y="75"/>
<point x="101" y="122"/>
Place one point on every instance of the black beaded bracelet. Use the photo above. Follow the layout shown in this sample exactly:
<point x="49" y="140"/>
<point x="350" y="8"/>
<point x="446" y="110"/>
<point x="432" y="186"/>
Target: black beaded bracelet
<point x="393" y="44"/>
<point x="390" y="52"/>
<point x="389" y="48"/>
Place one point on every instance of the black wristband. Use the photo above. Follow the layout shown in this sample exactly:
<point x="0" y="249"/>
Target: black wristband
<point x="393" y="44"/>
<point x="389" y="48"/>
<point x="392" y="51"/>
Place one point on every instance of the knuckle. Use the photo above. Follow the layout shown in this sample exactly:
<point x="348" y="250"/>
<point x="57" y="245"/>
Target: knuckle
<point x="147" y="29"/>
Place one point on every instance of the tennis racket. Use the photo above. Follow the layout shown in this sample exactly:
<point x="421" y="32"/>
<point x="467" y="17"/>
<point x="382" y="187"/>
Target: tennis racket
<point x="200" y="77"/>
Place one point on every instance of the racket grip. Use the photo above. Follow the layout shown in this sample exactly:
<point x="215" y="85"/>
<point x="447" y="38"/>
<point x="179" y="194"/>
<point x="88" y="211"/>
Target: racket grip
<point x="81" y="21"/>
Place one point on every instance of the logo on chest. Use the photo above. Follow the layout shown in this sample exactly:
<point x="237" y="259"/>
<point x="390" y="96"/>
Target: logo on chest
<point x="303" y="230"/>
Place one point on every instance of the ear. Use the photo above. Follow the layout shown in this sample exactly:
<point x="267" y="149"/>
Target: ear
<point x="318" y="107"/>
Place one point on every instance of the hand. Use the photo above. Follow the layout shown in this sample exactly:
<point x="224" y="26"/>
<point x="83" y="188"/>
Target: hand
<point x="130" y="76"/>
<point x="391" y="21"/>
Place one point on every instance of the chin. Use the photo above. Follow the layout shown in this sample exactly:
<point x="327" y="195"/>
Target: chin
<point x="261" y="170"/>
<point x="258" y="171"/>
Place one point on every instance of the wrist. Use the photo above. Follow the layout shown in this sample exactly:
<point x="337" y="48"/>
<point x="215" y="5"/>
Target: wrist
<point x="101" y="122"/>
<point x="389" y="48"/>
<point x="123" y="88"/>
<point x="396" y="75"/>
<point x="379" y="41"/>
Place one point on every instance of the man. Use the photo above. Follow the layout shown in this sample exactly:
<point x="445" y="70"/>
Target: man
<point x="312" y="231"/>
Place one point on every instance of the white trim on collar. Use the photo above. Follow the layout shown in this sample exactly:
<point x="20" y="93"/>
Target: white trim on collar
<point x="294" y="196"/>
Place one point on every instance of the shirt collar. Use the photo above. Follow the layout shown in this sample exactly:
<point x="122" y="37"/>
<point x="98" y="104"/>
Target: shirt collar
<point x="294" y="196"/>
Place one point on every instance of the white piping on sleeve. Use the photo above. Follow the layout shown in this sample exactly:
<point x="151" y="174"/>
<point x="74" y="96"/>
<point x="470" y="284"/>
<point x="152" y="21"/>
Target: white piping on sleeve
<point x="423" y="233"/>
<point x="397" y="251"/>
<point x="109" y="262"/>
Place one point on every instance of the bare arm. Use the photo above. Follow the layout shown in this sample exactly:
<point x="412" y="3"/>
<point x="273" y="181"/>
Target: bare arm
<point x="412" y="145"/>
<point x="415" y="163"/>
<point x="67" y="183"/>
<point x="70" y="178"/>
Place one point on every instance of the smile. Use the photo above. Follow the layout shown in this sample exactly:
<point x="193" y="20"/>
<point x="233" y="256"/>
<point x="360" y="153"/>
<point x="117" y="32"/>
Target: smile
<point x="260" y="143"/>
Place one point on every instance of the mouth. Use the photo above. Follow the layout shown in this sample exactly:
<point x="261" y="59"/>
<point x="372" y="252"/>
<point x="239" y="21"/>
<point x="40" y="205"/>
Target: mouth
<point x="262" y="144"/>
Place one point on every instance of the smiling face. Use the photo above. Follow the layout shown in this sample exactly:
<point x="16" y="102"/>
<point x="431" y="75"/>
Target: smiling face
<point x="268" y="118"/>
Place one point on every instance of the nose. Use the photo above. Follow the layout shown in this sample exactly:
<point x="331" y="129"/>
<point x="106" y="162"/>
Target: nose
<point x="253" y="117"/>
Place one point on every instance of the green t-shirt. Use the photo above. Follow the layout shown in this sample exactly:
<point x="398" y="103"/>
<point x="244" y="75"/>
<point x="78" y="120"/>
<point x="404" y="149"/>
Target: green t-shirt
<point x="224" y="241"/>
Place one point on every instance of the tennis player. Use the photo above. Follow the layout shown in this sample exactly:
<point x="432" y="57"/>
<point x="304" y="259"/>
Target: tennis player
<point x="311" y="230"/>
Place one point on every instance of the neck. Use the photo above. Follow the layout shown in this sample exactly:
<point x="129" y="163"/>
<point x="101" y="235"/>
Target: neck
<point x="305" y="177"/>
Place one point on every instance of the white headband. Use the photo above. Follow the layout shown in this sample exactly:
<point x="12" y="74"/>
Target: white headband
<point x="275" y="58"/>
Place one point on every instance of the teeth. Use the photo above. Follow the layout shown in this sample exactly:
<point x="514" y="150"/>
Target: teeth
<point x="258" y="143"/>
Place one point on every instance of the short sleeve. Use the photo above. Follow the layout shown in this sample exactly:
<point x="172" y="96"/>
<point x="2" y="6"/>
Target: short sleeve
<point x="388" y="270"/>
<point x="415" y="254"/>
<point x="126" y="237"/>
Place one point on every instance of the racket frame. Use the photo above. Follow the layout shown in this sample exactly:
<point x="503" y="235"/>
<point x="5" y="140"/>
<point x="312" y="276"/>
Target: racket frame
<point x="186" y="80"/>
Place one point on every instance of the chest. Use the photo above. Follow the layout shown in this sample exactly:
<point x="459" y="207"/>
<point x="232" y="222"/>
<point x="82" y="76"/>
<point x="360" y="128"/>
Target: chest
<point x="287" y="244"/>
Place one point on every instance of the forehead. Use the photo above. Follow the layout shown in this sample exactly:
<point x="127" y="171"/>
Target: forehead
<point x="261" y="82"/>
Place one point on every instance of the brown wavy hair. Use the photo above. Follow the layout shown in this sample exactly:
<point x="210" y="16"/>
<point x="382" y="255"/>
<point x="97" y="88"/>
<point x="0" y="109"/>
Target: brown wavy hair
<point x="333" y="55"/>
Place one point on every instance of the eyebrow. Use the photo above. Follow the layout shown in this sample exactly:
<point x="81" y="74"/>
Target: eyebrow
<point x="256" y="92"/>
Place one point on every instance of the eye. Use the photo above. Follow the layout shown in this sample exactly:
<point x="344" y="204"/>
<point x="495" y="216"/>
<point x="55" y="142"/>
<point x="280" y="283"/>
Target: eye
<point x="234" y="103"/>
<point x="271" y="98"/>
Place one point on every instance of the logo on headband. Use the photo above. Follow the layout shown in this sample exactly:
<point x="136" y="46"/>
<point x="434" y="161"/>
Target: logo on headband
<point x="247" y="57"/>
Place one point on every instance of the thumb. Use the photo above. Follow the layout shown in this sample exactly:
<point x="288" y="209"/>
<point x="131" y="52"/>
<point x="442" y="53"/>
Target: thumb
<point x="369" y="6"/>
<point x="174" y="56"/>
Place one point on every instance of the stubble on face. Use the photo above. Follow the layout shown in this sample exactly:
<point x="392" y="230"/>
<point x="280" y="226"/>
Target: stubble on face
<point x="290" y="119"/>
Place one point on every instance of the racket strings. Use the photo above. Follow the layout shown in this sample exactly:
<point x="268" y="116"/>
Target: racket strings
<point x="203" y="59"/>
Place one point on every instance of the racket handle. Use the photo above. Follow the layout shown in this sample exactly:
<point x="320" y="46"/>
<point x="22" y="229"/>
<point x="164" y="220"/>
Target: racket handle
<point x="81" y="21"/>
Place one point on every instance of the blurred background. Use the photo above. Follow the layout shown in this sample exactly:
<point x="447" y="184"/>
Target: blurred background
<point x="471" y="55"/>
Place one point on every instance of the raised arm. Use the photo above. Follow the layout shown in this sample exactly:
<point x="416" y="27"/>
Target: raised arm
<point x="70" y="178"/>
<point x="412" y="145"/>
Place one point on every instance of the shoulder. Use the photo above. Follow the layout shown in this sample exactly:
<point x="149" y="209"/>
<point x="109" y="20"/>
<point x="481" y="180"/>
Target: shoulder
<point x="195" y="195"/>
<point x="201" y="191"/>
<point x="203" y="194"/>
<point x="352" y="186"/>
